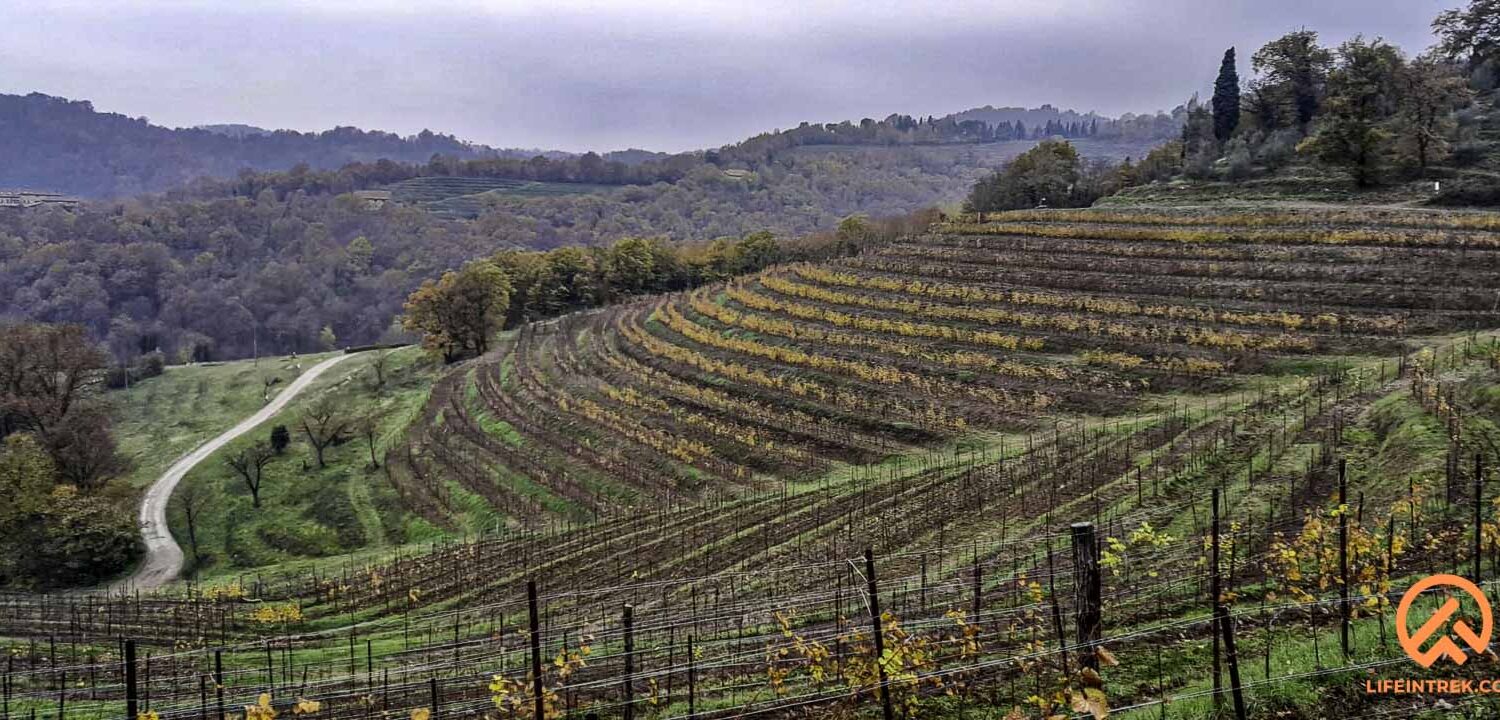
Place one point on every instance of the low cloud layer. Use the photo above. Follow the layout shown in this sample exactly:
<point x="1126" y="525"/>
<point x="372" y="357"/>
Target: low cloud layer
<point x="664" y="76"/>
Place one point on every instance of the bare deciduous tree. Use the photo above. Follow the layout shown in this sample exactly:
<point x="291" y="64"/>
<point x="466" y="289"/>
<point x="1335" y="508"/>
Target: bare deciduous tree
<point x="325" y="424"/>
<point x="378" y="366"/>
<point x="250" y="463"/>
<point x="369" y="429"/>
<point x="194" y="498"/>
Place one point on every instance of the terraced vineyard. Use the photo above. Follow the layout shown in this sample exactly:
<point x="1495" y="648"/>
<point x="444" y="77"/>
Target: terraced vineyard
<point x="466" y="196"/>
<point x="1000" y="327"/>
<point x="1272" y="423"/>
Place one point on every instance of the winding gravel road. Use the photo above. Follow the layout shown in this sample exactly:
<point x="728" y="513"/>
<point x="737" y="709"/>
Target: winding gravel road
<point x="163" y="559"/>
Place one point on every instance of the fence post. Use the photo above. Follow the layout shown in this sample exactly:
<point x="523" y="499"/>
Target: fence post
<point x="1478" y="517"/>
<point x="1344" y="559"/>
<point x="1086" y="589"/>
<point x="1225" y="627"/>
<point x="432" y="690"/>
<point x="218" y="680"/>
<point x="1214" y="591"/>
<point x="1057" y="622"/>
<point x="536" y="651"/>
<point x="692" y="681"/>
<point x="978" y="588"/>
<point x="885" y="688"/>
<point x="132" y="706"/>
<point x="628" y="685"/>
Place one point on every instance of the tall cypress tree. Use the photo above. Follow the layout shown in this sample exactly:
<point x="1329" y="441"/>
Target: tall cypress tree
<point x="1226" y="98"/>
<point x="1226" y="102"/>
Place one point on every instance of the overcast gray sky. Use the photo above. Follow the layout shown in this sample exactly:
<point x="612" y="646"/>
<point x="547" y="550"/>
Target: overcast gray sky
<point x="574" y="75"/>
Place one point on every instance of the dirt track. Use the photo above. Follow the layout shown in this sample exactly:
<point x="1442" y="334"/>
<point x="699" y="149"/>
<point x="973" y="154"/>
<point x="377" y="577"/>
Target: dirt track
<point x="163" y="560"/>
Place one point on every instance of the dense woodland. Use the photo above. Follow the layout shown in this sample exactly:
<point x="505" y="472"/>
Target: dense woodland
<point x="234" y="260"/>
<point x="230" y="273"/>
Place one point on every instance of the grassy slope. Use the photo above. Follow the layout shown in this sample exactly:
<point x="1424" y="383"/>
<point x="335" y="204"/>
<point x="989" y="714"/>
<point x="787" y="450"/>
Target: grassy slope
<point x="307" y="512"/>
<point x="161" y="419"/>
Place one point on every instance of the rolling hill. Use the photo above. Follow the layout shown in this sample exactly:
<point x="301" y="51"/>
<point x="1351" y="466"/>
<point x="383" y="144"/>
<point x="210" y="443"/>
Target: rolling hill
<point x="1195" y="383"/>
<point x="51" y="143"/>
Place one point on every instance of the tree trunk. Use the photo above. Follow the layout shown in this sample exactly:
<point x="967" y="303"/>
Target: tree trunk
<point x="192" y="528"/>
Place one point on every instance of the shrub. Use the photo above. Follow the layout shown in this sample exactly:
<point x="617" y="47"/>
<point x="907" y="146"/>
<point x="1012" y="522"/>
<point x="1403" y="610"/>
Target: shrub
<point x="76" y="540"/>
<point x="1468" y="192"/>
<point x="152" y="364"/>
<point x="299" y="538"/>
<point x="1199" y="166"/>
<point x="1486" y="76"/>
<point x="149" y="365"/>
<point x="1471" y="153"/>
<point x="1279" y="149"/>
<point x="1237" y="160"/>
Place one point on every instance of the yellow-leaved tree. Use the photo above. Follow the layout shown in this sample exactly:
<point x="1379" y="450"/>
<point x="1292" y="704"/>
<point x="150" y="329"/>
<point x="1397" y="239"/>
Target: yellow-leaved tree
<point x="458" y="313"/>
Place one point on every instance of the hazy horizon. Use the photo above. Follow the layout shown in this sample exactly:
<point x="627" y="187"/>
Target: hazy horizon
<point x="665" y="76"/>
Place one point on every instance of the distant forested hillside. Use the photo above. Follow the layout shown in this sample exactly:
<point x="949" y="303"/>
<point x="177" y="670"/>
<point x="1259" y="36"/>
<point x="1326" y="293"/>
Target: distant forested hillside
<point x="55" y="144"/>
<point x="50" y="143"/>
<point x="228" y="260"/>
<point x="277" y="267"/>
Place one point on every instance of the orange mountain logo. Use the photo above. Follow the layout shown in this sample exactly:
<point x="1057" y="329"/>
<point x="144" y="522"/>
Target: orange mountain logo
<point x="1412" y="642"/>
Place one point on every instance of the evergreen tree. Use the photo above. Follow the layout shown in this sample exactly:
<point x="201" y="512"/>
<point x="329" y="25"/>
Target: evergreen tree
<point x="1362" y="95"/>
<point x="1294" y="71"/>
<point x="1226" y="100"/>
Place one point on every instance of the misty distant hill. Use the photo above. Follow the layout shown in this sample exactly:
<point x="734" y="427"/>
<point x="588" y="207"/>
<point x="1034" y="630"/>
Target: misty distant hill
<point x="66" y="146"/>
<point x="51" y="143"/>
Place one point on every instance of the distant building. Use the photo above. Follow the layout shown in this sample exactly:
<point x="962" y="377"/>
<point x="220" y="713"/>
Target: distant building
<point x="27" y="199"/>
<point x="373" y="199"/>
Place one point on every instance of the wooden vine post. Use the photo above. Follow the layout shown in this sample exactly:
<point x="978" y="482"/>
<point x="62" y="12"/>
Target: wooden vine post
<point x="132" y="705"/>
<point x="692" y="681"/>
<point x="1478" y="516"/>
<point x="218" y="681"/>
<point x="885" y="684"/>
<point x="627" y="688"/>
<point x="1344" y="559"/>
<point x="1086" y="588"/>
<point x="1225" y="627"/>
<point x="536" y="651"/>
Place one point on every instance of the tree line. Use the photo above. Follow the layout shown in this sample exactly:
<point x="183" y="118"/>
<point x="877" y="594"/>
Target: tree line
<point x="458" y="313"/>
<point x="752" y="154"/>
<point x="1363" y="108"/>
